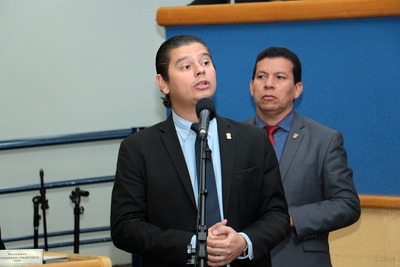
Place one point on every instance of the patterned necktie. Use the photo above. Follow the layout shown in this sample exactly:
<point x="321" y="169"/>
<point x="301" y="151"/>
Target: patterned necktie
<point x="271" y="130"/>
<point x="212" y="212"/>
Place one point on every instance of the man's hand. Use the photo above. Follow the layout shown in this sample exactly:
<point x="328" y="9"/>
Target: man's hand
<point x="224" y="244"/>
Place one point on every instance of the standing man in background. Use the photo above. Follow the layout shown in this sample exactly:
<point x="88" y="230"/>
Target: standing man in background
<point x="318" y="183"/>
<point x="154" y="207"/>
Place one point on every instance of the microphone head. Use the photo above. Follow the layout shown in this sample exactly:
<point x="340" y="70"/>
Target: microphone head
<point x="205" y="103"/>
<point x="84" y="193"/>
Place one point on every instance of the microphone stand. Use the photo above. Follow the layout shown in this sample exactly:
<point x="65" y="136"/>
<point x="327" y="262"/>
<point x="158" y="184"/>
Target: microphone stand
<point x="78" y="210"/>
<point x="198" y="256"/>
<point x="45" y="205"/>
<point x="36" y="217"/>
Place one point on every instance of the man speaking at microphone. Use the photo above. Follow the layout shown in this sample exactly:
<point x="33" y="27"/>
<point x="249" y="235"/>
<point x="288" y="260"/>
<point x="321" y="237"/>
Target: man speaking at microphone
<point x="154" y="208"/>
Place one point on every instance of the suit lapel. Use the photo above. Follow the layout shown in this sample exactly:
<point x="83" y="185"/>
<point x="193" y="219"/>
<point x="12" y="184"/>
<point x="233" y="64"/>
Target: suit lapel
<point x="294" y="139"/>
<point x="170" y="140"/>
<point x="227" y="142"/>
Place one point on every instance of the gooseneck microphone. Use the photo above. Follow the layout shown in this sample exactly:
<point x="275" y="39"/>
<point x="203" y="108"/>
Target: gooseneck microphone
<point x="205" y="110"/>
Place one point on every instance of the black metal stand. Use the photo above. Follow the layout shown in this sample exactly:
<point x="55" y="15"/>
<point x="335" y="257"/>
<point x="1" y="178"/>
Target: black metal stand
<point x="78" y="210"/>
<point x="198" y="256"/>
<point x="45" y="206"/>
<point x="36" y="217"/>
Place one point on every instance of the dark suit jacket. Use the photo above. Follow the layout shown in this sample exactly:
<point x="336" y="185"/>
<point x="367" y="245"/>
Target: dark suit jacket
<point x="153" y="209"/>
<point x="319" y="190"/>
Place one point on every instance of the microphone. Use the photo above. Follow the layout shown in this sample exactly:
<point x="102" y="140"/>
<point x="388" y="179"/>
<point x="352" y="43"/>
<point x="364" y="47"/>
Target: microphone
<point x="205" y="111"/>
<point x="84" y="193"/>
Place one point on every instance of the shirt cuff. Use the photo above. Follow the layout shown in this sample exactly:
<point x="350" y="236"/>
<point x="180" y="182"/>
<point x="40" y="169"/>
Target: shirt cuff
<point x="250" y="255"/>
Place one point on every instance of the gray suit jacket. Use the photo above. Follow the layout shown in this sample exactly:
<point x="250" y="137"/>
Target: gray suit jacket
<point x="153" y="210"/>
<point x="319" y="190"/>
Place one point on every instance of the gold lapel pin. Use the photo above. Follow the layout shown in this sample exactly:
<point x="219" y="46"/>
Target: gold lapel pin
<point x="228" y="136"/>
<point x="295" y="135"/>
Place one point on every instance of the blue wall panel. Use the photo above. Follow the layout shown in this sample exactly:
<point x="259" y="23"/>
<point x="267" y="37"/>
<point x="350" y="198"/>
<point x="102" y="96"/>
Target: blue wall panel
<point x="351" y="76"/>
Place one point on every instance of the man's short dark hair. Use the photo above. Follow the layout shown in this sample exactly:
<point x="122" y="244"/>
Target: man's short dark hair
<point x="275" y="52"/>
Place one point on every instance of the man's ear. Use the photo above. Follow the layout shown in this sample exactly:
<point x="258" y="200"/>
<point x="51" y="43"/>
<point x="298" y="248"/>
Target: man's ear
<point x="162" y="84"/>
<point x="298" y="90"/>
<point x="251" y="88"/>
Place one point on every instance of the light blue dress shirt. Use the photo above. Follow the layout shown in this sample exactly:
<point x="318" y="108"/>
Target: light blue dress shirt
<point x="187" y="138"/>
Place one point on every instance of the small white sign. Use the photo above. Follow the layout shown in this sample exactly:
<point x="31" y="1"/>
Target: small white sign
<point x="20" y="257"/>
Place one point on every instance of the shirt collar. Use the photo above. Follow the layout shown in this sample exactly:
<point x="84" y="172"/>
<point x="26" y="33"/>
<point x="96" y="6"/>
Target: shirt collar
<point x="285" y="123"/>
<point x="182" y="126"/>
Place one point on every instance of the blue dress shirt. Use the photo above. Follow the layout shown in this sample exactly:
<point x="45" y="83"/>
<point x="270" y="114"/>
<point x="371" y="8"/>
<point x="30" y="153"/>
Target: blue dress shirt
<point x="280" y="136"/>
<point x="187" y="139"/>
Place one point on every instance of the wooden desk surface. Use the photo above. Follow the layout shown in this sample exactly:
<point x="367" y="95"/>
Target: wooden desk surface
<point x="77" y="260"/>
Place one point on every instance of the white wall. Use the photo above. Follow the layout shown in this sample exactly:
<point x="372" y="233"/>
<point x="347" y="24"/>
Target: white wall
<point x="68" y="67"/>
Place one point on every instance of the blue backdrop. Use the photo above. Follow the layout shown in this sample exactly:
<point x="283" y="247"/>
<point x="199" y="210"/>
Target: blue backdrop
<point x="351" y="79"/>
